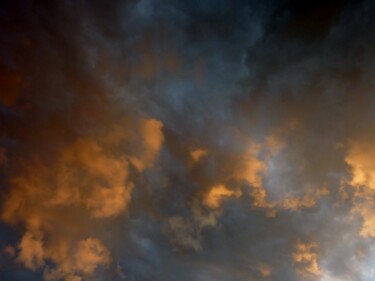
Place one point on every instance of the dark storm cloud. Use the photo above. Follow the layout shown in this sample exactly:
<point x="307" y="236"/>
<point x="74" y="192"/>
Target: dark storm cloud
<point x="273" y="95"/>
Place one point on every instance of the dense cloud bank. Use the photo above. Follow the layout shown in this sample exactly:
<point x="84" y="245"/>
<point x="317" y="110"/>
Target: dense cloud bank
<point x="187" y="140"/>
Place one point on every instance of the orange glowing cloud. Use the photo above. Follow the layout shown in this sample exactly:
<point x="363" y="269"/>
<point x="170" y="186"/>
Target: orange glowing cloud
<point x="92" y="163"/>
<point x="260" y="163"/>
<point x="368" y="226"/>
<point x="197" y="154"/>
<point x="81" y="263"/>
<point x="217" y="194"/>
<point x="31" y="251"/>
<point x="60" y="203"/>
<point x="56" y="204"/>
<point x="252" y="167"/>
<point x="361" y="160"/>
<point x="306" y="257"/>
<point x="293" y="203"/>
<point x="152" y="140"/>
<point x="250" y="170"/>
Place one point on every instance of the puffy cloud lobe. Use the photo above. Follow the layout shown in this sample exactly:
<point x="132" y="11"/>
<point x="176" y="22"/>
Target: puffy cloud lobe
<point x="152" y="139"/>
<point x="360" y="159"/>
<point x="264" y="269"/>
<point x="306" y="257"/>
<point x="217" y="194"/>
<point x="32" y="251"/>
<point x="104" y="200"/>
<point x="90" y="254"/>
<point x="198" y="154"/>
<point x="252" y="167"/>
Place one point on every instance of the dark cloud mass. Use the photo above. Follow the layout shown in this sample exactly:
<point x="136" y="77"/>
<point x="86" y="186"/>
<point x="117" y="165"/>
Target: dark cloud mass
<point x="187" y="140"/>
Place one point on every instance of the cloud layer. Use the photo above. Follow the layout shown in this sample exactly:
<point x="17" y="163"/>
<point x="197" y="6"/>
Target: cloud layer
<point x="187" y="140"/>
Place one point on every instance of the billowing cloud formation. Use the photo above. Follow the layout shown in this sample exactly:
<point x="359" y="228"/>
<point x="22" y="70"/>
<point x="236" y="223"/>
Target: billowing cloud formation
<point x="60" y="205"/>
<point x="187" y="140"/>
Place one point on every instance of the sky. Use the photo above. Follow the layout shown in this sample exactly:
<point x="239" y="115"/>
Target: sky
<point x="201" y="140"/>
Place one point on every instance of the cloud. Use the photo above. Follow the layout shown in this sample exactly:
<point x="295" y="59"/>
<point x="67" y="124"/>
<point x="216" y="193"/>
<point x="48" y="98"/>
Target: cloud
<point x="104" y="200"/>
<point x="89" y="254"/>
<point x="31" y="251"/>
<point x="186" y="233"/>
<point x="152" y="139"/>
<point x="217" y="194"/>
<point x="361" y="163"/>
<point x="197" y="140"/>
<point x="360" y="159"/>
<point x="264" y="269"/>
<point x="306" y="256"/>
<point x="84" y="184"/>
<point x="198" y="154"/>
